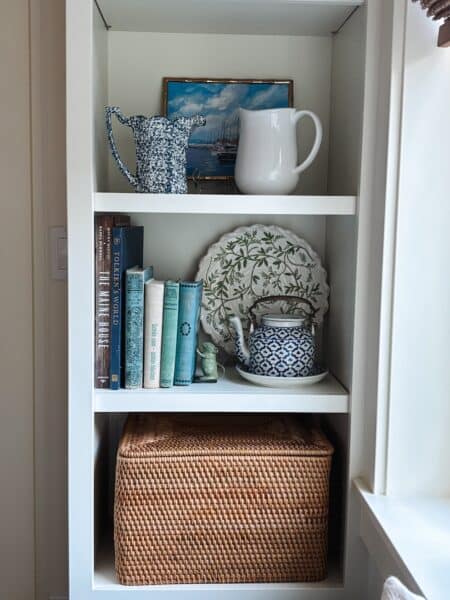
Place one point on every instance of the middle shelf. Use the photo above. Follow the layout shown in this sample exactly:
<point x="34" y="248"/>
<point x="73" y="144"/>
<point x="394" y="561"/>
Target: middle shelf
<point x="229" y="394"/>
<point x="223" y="204"/>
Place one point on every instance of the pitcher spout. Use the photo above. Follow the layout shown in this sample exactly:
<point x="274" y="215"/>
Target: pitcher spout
<point x="241" y="350"/>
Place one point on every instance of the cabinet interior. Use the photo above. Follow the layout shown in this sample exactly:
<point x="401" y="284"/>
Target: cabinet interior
<point x="328" y="71"/>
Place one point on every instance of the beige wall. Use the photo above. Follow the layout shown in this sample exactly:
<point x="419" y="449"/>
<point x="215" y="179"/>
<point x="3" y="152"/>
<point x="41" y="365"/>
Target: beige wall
<point x="49" y="209"/>
<point x="33" y="348"/>
<point x="16" y="309"/>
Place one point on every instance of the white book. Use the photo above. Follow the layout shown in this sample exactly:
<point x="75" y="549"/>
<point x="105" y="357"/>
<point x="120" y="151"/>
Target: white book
<point x="153" y="314"/>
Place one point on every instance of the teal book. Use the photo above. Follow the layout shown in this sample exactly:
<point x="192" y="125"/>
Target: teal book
<point x="134" y="325"/>
<point x="169" y="333"/>
<point x="187" y="331"/>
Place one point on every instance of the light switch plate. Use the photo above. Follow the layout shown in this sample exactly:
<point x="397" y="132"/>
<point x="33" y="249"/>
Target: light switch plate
<point x="58" y="252"/>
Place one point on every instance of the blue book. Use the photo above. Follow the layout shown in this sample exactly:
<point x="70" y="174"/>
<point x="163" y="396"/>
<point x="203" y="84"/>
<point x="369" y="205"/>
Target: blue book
<point x="134" y="325"/>
<point x="187" y="331"/>
<point x="127" y="251"/>
<point x="169" y="332"/>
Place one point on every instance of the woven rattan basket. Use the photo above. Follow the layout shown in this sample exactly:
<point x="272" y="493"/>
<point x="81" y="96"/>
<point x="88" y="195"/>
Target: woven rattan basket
<point x="207" y="501"/>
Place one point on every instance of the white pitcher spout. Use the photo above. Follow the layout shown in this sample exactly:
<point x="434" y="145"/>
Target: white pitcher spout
<point x="241" y="350"/>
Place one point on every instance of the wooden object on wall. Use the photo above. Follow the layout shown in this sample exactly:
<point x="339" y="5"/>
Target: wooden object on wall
<point x="439" y="9"/>
<point x="444" y="35"/>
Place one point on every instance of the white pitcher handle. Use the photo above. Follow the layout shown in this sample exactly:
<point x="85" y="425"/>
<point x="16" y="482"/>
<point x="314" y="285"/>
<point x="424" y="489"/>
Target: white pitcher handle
<point x="315" y="149"/>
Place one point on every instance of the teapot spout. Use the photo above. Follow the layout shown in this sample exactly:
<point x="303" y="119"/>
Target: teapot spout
<point x="241" y="350"/>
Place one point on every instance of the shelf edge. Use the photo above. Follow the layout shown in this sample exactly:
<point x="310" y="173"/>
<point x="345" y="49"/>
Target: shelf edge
<point x="214" y="204"/>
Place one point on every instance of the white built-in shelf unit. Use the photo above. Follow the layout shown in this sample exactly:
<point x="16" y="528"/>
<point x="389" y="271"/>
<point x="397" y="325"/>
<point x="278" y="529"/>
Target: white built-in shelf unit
<point x="118" y="51"/>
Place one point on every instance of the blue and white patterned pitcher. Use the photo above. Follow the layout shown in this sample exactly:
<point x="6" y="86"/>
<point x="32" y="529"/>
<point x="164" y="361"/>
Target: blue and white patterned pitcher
<point x="282" y="345"/>
<point x="161" y="146"/>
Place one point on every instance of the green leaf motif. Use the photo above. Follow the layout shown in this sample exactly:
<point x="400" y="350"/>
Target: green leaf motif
<point x="259" y="261"/>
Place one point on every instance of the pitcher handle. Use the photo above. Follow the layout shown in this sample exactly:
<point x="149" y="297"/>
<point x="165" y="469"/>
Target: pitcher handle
<point x="109" y="112"/>
<point x="315" y="149"/>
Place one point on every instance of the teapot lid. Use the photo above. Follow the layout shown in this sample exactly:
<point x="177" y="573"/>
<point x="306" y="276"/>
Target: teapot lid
<point x="275" y="320"/>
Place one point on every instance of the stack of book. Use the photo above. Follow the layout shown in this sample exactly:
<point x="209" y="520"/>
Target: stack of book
<point x="145" y="329"/>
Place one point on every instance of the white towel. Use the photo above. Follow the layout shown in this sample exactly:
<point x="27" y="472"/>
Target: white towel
<point x="394" y="590"/>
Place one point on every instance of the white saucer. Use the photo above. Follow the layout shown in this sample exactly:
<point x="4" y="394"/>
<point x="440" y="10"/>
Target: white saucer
<point x="277" y="382"/>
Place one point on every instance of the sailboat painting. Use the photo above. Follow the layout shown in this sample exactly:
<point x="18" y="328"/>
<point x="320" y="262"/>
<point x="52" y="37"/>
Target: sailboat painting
<point x="212" y="149"/>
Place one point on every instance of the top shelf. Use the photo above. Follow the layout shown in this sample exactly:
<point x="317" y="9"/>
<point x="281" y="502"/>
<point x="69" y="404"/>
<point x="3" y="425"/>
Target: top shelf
<point x="224" y="204"/>
<point x="254" y="17"/>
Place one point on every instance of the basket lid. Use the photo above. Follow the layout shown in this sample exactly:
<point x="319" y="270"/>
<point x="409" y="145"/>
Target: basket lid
<point x="205" y="435"/>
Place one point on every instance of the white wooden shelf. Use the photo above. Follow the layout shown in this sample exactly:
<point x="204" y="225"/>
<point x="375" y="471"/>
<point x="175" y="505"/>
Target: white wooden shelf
<point x="105" y="581"/>
<point x="255" y="17"/>
<point x="224" y="204"/>
<point x="230" y="394"/>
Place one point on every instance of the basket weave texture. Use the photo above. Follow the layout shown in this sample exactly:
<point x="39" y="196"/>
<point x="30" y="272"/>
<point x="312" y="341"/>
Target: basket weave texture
<point x="229" y="501"/>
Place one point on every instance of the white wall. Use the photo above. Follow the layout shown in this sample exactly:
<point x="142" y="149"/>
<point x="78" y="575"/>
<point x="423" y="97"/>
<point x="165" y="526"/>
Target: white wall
<point x="16" y="310"/>
<point x="139" y="61"/>
<point x="420" y="373"/>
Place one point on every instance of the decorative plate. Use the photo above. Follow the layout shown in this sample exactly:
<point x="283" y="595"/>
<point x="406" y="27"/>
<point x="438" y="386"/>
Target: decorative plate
<point x="274" y="382"/>
<point x="252" y="262"/>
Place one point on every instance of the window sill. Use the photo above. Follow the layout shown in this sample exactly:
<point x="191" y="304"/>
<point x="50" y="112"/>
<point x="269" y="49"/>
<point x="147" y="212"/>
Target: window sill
<point x="410" y="536"/>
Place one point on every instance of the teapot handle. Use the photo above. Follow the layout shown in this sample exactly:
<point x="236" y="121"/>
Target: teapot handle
<point x="315" y="149"/>
<point x="109" y="112"/>
<point x="290" y="299"/>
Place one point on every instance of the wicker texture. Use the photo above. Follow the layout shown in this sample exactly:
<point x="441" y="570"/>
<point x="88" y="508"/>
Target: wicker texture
<point x="220" y="502"/>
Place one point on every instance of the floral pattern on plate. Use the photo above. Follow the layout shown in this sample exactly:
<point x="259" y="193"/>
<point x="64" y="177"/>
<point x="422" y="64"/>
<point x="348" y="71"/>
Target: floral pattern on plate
<point x="252" y="262"/>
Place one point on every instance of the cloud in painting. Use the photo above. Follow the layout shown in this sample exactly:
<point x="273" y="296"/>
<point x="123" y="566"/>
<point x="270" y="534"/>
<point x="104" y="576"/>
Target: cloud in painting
<point x="219" y="103"/>
<point x="228" y="98"/>
<point x="192" y="108"/>
<point x="271" y="97"/>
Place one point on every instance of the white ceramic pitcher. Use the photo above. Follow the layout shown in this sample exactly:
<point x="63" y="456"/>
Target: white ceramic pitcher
<point x="266" y="161"/>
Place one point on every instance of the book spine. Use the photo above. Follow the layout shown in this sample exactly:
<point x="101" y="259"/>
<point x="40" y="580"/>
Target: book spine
<point x="116" y="306"/>
<point x="169" y="333"/>
<point x="188" y="316"/>
<point x="103" y="227"/>
<point x="134" y="326"/>
<point x="154" y="294"/>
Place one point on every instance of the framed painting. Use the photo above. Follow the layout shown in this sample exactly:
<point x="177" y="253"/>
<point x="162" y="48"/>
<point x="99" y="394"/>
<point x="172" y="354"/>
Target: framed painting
<point x="212" y="149"/>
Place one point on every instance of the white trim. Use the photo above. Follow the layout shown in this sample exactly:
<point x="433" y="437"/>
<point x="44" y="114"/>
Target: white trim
<point x="363" y="396"/>
<point x="390" y="230"/>
<point x="80" y="178"/>
<point x="410" y="538"/>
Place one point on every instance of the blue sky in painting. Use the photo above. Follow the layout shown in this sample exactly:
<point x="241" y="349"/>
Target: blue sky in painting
<point x="219" y="103"/>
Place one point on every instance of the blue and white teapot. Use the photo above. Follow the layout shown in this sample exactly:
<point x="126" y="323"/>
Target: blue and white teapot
<point x="281" y="346"/>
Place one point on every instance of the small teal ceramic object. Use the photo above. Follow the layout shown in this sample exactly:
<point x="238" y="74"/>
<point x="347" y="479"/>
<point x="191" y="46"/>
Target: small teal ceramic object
<point x="208" y="355"/>
<point x="281" y="346"/>
<point x="161" y="146"/>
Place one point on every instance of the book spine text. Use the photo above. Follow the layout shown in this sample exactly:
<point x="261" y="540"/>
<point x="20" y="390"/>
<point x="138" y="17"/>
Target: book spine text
<point x="103" y="226"/>
<point x="169" y="333"/>
<point x="116" y="306"/>
<point x="134" y="337"/>
<point x="154" y="294"/>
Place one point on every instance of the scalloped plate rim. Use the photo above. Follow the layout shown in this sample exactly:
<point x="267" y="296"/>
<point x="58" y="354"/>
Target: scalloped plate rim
<point x="205" y="261"/>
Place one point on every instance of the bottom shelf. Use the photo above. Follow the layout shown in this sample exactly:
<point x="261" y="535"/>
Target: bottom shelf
<point x="105" y="581"/>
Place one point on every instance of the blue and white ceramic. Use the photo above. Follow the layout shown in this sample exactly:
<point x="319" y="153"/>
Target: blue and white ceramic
<point x="257" y="261"/>
<point x="161" y="146"/>
<point x="281" y="346"/>
<point x="282" y="382"/>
